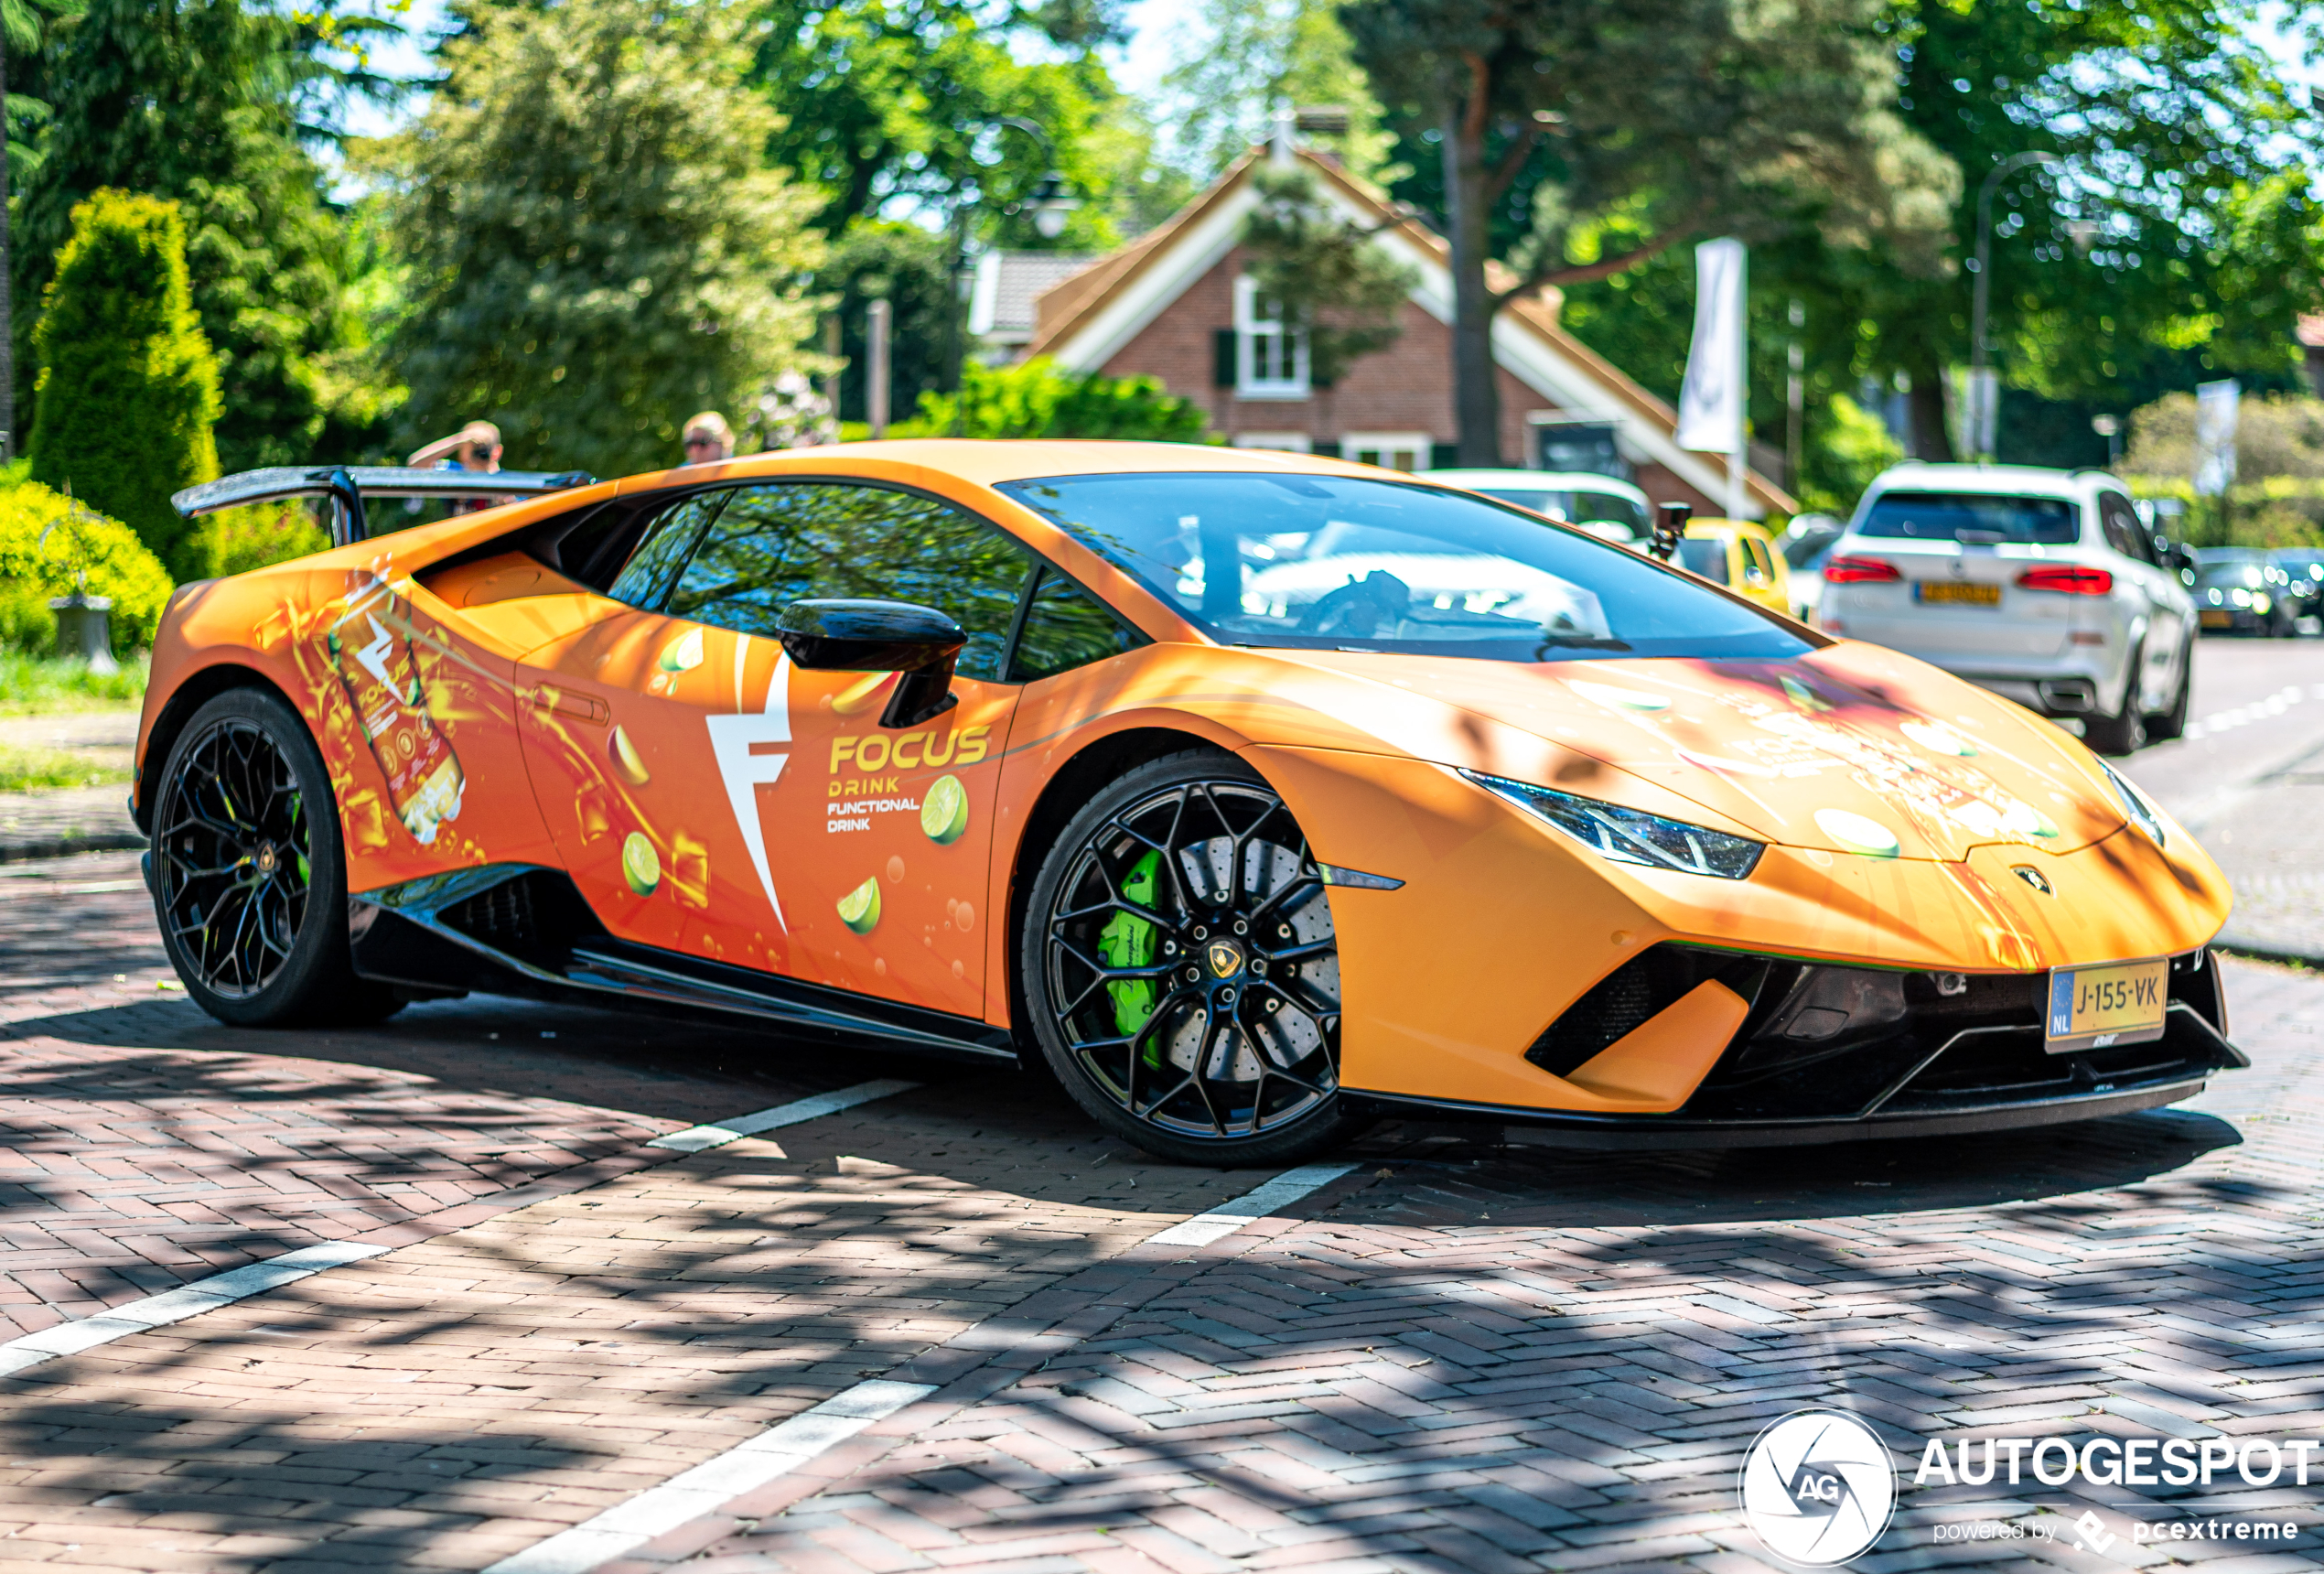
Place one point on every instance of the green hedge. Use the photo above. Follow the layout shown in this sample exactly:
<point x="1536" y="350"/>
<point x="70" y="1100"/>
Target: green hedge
<point x="115" y="562"/>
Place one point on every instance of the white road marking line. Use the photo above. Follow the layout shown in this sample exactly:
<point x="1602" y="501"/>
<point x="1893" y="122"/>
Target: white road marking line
<point x="696" y="1139"/>
<point x="177" y="1305"/>
<point x="1226" y="1219"/>
<point x="717" y="1480"/>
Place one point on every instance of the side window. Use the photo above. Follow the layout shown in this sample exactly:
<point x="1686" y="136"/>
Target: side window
<point x="1066" y="628"/>
<point x="797" y="541"/>
<point x="1761" y="563"/>
<point x="644" y="581"/>
<point x="2124" y="531"/>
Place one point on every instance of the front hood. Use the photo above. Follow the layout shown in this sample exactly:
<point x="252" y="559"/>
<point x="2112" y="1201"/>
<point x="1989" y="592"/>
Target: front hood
<point x="1852" y="749"/>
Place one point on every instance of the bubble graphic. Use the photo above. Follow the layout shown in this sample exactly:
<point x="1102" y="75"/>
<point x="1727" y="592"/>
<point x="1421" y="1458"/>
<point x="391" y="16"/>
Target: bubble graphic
<point x="964" y="916"/>
<point x="894" y="871"/>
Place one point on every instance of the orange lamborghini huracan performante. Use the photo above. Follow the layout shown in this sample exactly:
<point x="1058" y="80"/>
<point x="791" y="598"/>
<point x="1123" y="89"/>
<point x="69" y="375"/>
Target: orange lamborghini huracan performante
<point x="1254" y="797"/>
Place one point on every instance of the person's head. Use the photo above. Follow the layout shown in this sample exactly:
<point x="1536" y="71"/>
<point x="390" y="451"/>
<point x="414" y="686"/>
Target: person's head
<point x="708" y="438"/>
<point x="479" y="447"/>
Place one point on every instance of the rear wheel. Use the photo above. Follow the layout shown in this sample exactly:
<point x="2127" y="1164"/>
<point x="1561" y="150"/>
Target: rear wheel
<point x="1180" y="968"/>
<point x="248" y="881"/>
<point x="2125" y="729"/>
<point x="2172" y="722"/>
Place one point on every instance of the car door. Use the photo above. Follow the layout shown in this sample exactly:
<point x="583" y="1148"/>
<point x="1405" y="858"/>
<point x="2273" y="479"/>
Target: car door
<point x="709" y="797"/>
<point x="2164" y="598"/>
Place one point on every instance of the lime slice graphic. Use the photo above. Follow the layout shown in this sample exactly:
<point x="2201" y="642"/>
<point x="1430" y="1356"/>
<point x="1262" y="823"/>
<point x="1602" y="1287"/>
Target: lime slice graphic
<point x="943" y="813"/>
<point x="1627" y="698"/>
<point x="1940" y="739"/>
<point x="1803" y="697"/>
<point x="641" y="865"/>
<point x="683" y="654"/>
<point x="1856" y="833"/>
<point x="627" y="764"/>
<point x="859" y="909"/>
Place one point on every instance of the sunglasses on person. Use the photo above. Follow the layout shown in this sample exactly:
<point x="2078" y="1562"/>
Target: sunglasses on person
<point x="702" y="442"/>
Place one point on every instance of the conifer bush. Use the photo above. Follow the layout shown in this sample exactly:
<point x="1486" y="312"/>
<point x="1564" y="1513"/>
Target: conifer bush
<point x="128" y="386"/>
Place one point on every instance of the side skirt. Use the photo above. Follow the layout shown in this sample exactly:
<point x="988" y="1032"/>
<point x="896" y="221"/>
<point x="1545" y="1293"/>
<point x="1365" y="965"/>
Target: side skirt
<point x="519" y="929"/>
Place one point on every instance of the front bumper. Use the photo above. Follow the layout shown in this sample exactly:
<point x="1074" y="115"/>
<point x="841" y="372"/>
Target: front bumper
<point x="1920" y="1064"/>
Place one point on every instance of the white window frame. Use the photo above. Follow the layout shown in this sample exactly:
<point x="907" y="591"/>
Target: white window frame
<point x="1270" y="362"/>
<point x="1388" y="445"/>
<point x="1276" y="442"/>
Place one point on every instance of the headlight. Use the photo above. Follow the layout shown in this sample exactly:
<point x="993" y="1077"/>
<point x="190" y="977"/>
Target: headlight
<point x="1626" y="835"/>
<point x="2142" y="813"/>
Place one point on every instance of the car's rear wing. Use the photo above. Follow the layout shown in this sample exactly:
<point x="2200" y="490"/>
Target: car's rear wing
<point x="347" y="486"/>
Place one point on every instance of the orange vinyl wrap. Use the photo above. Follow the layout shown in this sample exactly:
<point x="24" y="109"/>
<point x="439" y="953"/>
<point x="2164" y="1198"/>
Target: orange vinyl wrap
<point x="707" y="797"/>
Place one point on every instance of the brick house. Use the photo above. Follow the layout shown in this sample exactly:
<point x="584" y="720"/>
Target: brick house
<point x="1175" y="305"/>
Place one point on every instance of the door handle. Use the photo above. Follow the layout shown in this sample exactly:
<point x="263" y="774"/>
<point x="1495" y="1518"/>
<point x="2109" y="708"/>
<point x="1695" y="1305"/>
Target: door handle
<point x="571" y="702"/>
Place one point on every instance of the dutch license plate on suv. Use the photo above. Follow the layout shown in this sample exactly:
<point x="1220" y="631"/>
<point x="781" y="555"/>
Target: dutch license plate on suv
<point x="1952" y="593"/>
<point x="2114" y="1003"/>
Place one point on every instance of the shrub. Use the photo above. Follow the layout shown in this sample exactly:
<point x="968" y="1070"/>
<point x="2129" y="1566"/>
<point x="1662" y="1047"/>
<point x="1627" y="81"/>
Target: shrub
<point x="83" y="542"/>
<point x="128" y="386"/>
<point x="1040" y="399"/>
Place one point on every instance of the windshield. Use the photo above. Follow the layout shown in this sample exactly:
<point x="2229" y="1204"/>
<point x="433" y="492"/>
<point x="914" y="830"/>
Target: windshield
<point x="1322" y="562"/>
<point x="2225" y="575"/>
<point x="1972" y="517"/>
<point x="1575" y="507"/>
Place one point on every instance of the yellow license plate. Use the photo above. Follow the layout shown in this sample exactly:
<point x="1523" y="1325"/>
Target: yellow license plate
<point x="1946" y="593"/>
<point x="2218" y="620"/>
<point x="2116" y="1003"/>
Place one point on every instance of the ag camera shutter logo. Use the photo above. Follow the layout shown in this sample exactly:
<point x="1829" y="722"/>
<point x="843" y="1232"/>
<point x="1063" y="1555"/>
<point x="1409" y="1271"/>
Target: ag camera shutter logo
<point x="1817" y="1488"/>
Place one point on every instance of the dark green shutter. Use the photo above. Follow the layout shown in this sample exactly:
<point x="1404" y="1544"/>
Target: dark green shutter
<point x="1223" y="358"/>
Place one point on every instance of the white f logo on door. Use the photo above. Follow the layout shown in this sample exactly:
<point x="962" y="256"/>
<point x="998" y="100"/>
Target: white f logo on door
<point x="735" y="742"/>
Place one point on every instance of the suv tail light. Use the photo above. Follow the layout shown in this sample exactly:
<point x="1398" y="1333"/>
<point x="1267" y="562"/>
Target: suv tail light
<point x="1859" y="571"/>
<point x="2067" y="579"/>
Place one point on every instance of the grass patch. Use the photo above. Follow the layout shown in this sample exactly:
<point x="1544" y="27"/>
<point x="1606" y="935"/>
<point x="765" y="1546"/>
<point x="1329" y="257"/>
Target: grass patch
<point x="43" y="686"/>
<point x="25" y="769"/>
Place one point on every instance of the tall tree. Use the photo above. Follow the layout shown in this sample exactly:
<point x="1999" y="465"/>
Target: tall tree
<point x="196" y="100"/>
<point x="1235" y="62"/>
<point x="2175" y="242"/>
<point x="128" y="384"/>
<point x="1696" y="116"/>
<point x="597" y="248"/>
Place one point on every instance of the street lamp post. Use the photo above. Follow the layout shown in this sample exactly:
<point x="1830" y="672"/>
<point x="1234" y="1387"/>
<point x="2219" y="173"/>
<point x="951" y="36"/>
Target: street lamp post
<point x="1050" y="206"/>
<point x="1980" y="385"/>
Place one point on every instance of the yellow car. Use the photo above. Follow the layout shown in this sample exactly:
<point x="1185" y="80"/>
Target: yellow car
<point x="1740" y="555"/>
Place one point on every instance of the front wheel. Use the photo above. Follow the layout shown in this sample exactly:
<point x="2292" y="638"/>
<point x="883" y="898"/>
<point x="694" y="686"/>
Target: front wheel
<point x="249" y="882"/>
<point x="1181" y="970"/>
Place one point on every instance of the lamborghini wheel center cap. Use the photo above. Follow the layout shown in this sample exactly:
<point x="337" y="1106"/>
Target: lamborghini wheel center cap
<point x="1225" y="958"/>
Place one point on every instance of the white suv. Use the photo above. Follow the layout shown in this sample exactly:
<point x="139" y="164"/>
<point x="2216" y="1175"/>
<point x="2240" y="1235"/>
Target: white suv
<point x="2040" y="585"/>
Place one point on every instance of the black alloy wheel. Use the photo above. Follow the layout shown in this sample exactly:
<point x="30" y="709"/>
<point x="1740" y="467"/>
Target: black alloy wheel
<point x="1181" y="969"/>
<point x="249" y="884"/>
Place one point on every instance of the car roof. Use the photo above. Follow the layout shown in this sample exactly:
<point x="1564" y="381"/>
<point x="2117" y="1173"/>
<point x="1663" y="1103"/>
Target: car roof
<point x="2021" y="480"/>
<point x="1567" y="481"/>
<point x="991" y="461"/>
<point x="1717" y="526"/>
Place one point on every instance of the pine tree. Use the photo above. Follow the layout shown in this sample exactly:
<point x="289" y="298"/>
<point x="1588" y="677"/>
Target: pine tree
<point x="128" y="386"/>
<point x="597" y="250"/>
<point x="194" y="100"/>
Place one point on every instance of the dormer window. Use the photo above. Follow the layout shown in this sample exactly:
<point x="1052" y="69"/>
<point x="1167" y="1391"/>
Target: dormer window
<point x="1271" y="361"/>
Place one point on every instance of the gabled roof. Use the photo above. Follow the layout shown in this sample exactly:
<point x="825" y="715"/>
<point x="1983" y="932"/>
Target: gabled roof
<point x="1084" y="321"/>
<point x="1008" y="283"/>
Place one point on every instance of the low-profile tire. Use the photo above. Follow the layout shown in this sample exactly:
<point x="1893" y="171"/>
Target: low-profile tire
<point x="249" y="877"/>
<point x="1179" y="968"/>
<point x="2172" y="722"/>
<point x="2125" y="731"/>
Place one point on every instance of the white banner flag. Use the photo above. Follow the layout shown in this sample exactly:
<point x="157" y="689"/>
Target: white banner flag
<point x="1710" y="402"/>
<point x="2217" y="405"/>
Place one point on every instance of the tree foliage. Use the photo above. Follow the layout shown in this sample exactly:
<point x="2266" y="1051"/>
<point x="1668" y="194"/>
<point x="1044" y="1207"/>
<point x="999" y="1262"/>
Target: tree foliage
<point x="128" y="384"/>
<point x="1038" y="399"/>
<point x="597" y="248"/>
<point x="1235" y="62"/>
<point x="1334" y="285"/>
<point x="195" y="101"/>
<point x="1691" y="117"/>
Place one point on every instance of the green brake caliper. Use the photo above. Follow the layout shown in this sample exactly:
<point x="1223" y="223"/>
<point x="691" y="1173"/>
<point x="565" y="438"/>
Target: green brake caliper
<point x="1127" y="941"/>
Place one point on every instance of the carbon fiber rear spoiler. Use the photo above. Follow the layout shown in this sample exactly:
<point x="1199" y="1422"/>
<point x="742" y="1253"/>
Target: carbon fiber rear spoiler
<point x="348" y="485"/>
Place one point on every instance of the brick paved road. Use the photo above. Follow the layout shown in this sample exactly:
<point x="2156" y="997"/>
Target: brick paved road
<point x="1457" y="1357"/>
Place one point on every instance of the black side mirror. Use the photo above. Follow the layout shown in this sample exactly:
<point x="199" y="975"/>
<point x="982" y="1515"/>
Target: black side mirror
<point x="880" y="637"/>
<point x="1669" y="530"/>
